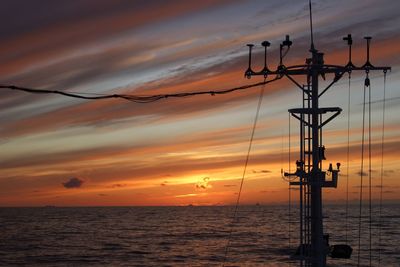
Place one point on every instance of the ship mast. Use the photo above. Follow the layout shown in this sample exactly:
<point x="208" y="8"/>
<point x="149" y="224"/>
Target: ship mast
<point x="309" y="176"/>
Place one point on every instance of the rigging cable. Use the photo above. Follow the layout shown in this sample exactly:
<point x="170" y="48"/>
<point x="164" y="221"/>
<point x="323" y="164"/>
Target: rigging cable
<point x="348" y="158"/>
<point x="370" y="175"/>
<point x="382" y="170"/>
<point x="290" y="193"/>
<point x="136" y="98"/>
<point x="361" y="176"/>
<point x="244" y="172"/>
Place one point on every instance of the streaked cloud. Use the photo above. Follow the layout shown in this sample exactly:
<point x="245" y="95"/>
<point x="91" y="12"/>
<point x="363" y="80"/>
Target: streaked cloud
<point x="153" y="47"/>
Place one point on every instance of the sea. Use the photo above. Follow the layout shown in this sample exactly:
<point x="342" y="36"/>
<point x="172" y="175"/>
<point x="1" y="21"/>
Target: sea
<point x="260" y="235"/>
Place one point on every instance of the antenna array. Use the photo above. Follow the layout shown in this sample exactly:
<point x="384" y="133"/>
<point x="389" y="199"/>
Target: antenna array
<point x="309" y="175"/>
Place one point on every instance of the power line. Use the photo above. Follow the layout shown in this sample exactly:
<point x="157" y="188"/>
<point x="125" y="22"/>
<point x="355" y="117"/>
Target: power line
<point x="136" y="98"/>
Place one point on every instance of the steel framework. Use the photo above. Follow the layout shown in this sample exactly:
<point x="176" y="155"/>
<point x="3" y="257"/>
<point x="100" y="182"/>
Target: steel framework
<point x="309" y="175"/>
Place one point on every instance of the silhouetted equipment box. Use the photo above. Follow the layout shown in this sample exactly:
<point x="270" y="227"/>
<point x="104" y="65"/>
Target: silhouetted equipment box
<point x="340" y="251"/>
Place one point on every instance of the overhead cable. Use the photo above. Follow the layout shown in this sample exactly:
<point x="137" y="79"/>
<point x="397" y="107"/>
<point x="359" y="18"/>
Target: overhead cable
<point x="136" y="98"/>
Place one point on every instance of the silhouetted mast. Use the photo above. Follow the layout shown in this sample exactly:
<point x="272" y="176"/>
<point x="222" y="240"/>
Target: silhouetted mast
<point x="309" y="176"/>
<point x="311" y="27"/>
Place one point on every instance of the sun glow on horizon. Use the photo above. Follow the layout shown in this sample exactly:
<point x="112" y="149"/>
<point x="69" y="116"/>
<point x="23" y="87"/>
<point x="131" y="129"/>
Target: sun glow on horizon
<point x="183" y="151"/>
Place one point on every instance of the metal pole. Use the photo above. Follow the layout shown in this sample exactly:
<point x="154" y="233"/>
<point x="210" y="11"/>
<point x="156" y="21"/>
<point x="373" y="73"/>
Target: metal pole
<point x="317" y="242"/>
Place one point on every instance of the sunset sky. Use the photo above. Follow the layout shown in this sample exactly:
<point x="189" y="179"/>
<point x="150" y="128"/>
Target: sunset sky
<point x="56" y="150"/>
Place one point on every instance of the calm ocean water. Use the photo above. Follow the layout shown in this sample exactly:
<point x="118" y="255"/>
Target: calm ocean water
<point x="176" y="236"/>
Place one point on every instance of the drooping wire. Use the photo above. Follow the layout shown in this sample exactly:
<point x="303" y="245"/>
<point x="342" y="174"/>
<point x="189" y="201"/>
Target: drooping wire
<point x="286" y="52"/>
<point x="382" y="170"/>
<point x="135" y="98"/>
<point x="348" y="158"/>
<point x="244" y="173"/>
<point x="361" y="178"/>
<point x="69" y="94"/>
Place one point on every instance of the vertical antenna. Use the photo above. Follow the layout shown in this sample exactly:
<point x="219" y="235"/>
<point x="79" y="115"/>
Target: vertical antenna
<point x="311" y="28"/>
